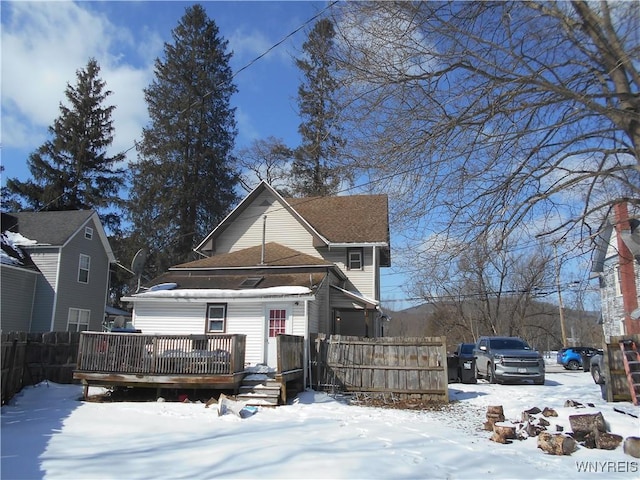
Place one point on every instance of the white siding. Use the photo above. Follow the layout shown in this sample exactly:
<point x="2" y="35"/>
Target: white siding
<point x="170" y="318"/>
<point x="248" y="319"/>
<point x="185" y="318"/>
<point x="281" y="227"/>
<point x="364" y="281"/>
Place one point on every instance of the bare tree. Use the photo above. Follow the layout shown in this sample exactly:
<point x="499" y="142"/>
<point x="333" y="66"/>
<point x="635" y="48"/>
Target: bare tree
<point x="485" y="116"/>
<point x="483" y="290"/>
<point x="269" y="160"/>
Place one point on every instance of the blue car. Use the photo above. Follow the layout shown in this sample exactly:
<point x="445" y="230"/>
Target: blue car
<point x="571" y="357"/>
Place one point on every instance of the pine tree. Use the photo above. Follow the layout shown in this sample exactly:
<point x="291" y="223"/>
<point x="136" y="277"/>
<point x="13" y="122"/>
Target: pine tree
<point x="315" y="172"/>
<point x="72" y="170"/>
<point x="183" y="182"/>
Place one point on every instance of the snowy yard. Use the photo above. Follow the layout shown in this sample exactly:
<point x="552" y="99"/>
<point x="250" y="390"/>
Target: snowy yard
<point x="48" y="433"/>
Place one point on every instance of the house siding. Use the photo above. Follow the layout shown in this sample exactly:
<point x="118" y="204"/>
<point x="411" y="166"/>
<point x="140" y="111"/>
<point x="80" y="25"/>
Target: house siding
<point x="362" y="281"/>
<point x="73" y="294"/>
<point x="281" y="227"/>
<point x="16" y="299"/>
<point x="170" y="318"/>
<point x="46" y="285"/>
<point x="248" y="318"/>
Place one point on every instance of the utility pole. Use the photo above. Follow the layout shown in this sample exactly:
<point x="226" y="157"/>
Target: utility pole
<point x="560" y="306"/>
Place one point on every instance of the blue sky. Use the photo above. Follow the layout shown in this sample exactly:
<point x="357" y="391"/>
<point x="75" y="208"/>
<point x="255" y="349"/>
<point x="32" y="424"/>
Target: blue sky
<point x="45" y="43"/>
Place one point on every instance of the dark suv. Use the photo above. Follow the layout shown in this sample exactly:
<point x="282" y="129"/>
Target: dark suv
<point x="501" y="359"/>
<point x="571" y="357"/>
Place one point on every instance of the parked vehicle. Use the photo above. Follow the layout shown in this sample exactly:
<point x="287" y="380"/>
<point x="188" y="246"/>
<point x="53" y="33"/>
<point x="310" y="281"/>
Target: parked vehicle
<point x="571" y="358"/>
<point x="501" y="359"/>
<point x="597" y="368"/>
<point x="461" y="364"/>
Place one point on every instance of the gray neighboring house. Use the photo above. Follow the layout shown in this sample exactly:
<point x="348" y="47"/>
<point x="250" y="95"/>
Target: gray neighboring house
<point x="68" y="286"/>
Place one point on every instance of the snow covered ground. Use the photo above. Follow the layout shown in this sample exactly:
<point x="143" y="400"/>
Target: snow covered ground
<point x="48" y="433"/>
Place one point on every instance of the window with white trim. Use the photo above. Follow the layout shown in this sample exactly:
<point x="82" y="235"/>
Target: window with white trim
<point x="277" y="322"/>
<point x="88" y="233"/>
<point x="355" y="259"/>
<point x="83" y="268"/>
<point x="216" y="317"/>
<point x="78" y="320"/>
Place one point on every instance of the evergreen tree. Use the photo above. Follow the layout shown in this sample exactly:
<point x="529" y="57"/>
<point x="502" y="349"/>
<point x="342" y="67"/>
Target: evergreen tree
<point x="183" y="182"/>
<point x="315" y="171"/>
<point x="72" y="170"/>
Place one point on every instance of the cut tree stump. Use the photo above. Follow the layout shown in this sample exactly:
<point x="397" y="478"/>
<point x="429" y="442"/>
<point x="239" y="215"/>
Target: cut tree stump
<point x="587" y="423"/>
<point x="556" y="444"/>
<point x="632" y="446"/>
<point x="495" y="414"/>
<point x="607" y="441"/>
<point x="502" y="432"/>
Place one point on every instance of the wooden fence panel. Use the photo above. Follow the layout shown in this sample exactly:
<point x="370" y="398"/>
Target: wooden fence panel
<point x="30" y="358"/>
<point x="409" y="367"/>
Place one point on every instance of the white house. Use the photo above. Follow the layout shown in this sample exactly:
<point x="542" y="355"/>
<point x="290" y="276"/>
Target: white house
<point x="278" y="266"/>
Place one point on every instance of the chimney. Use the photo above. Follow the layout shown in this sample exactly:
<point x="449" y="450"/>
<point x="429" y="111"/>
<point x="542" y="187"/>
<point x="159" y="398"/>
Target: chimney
<point x="626" y="262"/>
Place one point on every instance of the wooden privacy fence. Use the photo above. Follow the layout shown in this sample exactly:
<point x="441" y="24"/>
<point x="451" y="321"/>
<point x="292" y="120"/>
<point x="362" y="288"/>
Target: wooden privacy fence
<point x="405" y="367"/>
<point x="30" y="358"/>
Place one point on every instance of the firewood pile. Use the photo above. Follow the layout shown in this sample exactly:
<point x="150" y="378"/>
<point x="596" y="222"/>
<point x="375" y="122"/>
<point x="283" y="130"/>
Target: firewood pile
<point x="587" y="430"/>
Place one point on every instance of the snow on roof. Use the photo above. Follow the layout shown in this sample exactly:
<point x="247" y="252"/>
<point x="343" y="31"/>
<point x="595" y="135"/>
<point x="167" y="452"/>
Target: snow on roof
<point x="11" y="253"/>
<point x="220" y="293"/>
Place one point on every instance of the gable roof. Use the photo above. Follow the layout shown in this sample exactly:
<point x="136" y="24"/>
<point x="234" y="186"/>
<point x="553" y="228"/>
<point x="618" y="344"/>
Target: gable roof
<point x="346" y="219"/>
<point x="51" y="228"/>
<point x="354" y="219"/>
<point x="58" y="227"/>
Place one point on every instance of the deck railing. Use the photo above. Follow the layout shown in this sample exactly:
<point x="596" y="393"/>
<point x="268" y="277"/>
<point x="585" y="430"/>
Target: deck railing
<point x="137" y="353"/>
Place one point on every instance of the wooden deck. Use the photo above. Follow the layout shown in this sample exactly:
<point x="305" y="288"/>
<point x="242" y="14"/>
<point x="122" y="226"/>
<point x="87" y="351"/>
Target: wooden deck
<point x="161" y="361"/>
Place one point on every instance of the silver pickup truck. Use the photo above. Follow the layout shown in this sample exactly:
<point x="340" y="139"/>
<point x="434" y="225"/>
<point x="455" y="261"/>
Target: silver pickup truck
<point x="502" y="359"/>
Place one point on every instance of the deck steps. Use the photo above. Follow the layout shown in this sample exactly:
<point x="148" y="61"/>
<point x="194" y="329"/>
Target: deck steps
<point x="260" y="390"/>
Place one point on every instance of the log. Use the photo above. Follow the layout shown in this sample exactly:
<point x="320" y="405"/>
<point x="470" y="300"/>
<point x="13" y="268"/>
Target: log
<point x="631" y="446"/>
<point x="556" y="444"/>
<point x="502" y="432"/>
<point x="495" y="414"/>
<point x="607" y="441"/>
<point x="587" y="423"/>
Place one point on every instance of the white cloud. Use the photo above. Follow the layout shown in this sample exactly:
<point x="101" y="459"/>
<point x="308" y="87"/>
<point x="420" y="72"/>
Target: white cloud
<point x="43" y="46"/>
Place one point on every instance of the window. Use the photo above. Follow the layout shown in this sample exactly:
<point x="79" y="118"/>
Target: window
<point x="618" y="281"/>
<point x="216" y="317"/>
<point x="88" y="233"/>
<point x="251" y="282"/>
<point x="354" y="259"/>
<point x="83" y="268"/>
<point x="277" y="322"/>
<point x="78" y="320"/>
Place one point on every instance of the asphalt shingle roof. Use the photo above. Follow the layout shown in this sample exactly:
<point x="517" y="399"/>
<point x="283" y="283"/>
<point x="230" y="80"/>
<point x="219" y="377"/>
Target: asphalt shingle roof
<point x="276" y="255"/>
<point x="50" y="228"/>
<point x="346" y="219"/>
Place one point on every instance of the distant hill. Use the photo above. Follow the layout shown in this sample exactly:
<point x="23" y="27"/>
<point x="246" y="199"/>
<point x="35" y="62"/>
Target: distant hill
<point x="418" y="321"/>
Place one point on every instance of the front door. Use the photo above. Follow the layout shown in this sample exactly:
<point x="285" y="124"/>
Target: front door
<point x="277" y="323"/>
